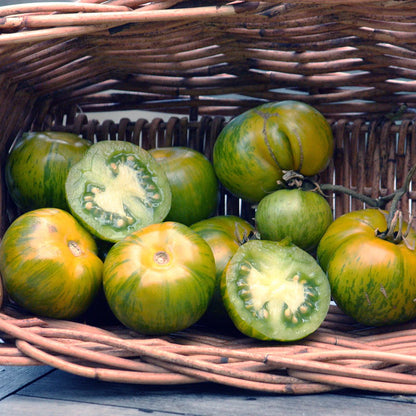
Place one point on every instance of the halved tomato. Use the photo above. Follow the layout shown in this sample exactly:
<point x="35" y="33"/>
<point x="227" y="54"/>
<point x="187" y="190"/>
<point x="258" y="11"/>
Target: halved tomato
<point x="117" y="188"/>
<point x="275" y="291"/>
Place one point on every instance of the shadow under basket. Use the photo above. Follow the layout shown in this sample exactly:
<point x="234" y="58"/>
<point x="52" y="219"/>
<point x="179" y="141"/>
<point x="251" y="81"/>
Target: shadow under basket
<point x="200" y="64"/>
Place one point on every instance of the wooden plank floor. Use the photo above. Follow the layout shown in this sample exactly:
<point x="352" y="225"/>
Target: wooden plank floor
<point x="43" y="391"/>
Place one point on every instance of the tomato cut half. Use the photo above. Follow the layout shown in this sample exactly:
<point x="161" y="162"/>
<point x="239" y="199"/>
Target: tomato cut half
<point x="275" y="291"/>
<point x="117" y="188"/>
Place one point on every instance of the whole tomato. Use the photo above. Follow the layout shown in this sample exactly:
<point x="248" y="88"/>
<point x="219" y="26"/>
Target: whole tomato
<point x="254" y="148"/>
<point x="224" y="234"/>
<point x="192" y="179"/>
<point x="372" y="279"/>
<point x="38" y="165"/>
<point x="159" y="279"/>
<point x="49" y="264"/>
<point x="301" y="216"/>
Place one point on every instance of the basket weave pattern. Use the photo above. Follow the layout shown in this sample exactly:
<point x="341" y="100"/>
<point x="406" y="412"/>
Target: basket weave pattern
<point x="203" y="62"/>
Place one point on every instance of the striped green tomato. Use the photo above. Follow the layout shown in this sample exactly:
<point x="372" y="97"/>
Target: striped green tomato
<point x="49" y="264"/>
<point x="159" y="279"/>
<point x="38" y="165"/>
<point x="254" y="148"/>
<point x="372" y="279"/>
<point x="224" y="234"/>
<point x="301" y="216"/>
<point x="192" y="179"/>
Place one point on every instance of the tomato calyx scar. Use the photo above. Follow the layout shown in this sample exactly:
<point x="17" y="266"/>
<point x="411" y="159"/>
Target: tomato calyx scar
<point x="161" y="258"/>
<point x="75" y="248"/>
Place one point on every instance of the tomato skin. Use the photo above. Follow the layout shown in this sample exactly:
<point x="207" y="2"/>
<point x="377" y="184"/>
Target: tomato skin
<point x="49" y="264"/>
<point x="38" y="165"/>
<point x="224" y="234"/>
<point x="194" y="185"/>
<point x="159" y="279"/>
<point x="302" y="216"/>
<point x="372" y="280"/>
<point x="255" y="147"/>
<point x="275" y="291"/>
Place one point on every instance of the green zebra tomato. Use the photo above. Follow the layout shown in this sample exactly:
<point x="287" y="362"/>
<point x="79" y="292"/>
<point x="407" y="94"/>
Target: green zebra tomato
<point x="38" y="165"/>
<point x="275" y="291"/>
<point x="192" y="179"/>
<point x="159" y="279"/>
<point x="117" y="188"/>
<point x="253" y="149"/>
<point x="49" y="264"/>
<point x="302" y="216"/>
<point x="373" y="280"/>
<point x="224" y="234"/>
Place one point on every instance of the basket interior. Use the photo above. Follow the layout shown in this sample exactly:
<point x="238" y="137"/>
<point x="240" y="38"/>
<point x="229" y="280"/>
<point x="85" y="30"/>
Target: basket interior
<point x="199" y="63"/>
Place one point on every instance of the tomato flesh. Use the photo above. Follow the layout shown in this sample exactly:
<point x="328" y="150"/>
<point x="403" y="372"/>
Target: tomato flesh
<point x="117" y="188"/>
<point x="275" y="291"/>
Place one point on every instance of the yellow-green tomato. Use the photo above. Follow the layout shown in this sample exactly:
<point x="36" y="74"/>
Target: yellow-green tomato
<point x="49" y="264"/>
<point x="372" y="279"/>
<point x="159" y="279"/>
<point x="254" y="148"/>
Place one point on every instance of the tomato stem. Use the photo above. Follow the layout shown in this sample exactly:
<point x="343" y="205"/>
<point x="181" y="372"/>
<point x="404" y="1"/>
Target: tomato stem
<point x="399" y="194"/>
<point x="292" y="179"/>
<point x="394" y="219"/>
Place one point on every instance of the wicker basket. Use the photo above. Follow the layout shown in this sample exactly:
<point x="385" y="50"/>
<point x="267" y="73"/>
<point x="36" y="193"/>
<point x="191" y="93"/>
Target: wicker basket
<point x="200" y="63"/>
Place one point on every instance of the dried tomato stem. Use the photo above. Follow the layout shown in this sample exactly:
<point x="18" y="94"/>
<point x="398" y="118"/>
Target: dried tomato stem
<point x="292" y="179"/>
<point x="375" y="203"/>
<point x="399" y="194"/>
